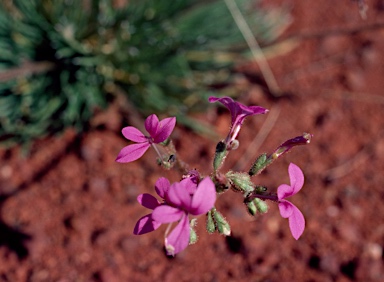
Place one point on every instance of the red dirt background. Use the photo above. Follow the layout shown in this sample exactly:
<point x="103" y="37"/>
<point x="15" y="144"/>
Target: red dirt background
<point x="68" y="210"/>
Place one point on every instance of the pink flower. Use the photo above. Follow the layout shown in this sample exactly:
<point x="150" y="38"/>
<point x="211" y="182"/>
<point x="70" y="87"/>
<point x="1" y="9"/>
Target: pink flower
<point x="287" y="209"/>
<point x="179" y="204"/>
<point x="158" y="131"/>
<point x="238" y="112"/>
<point x="147" y="223"/>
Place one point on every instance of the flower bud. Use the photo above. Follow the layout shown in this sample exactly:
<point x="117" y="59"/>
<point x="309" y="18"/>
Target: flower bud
<point x="289" y="144"/>
<point x="240" y="181"/>
<point x="251" y="208"/>
<point x="261" y="205"/>
<point x="220" y="154"/>
<point x="192" y="235"/>
<point x="211" y="227"/>
<point x="222" y="224"/>
<point x="260" y="189"/>
<point x="259" y="165"/>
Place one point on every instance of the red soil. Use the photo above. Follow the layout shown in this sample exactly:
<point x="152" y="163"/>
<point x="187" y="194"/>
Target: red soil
<point x="68" y="210"/>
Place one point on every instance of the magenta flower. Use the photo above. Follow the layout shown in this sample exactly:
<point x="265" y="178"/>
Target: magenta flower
<point x="159" y="131"/>
<point x="179" y="204"/>
<point x="238" y="112"/>
<point x="287" y="209"/>
<point x="147" y="223"/>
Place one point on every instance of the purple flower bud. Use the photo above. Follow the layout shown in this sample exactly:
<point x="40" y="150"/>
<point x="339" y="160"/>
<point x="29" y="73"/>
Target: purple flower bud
<point x="289" y="144"/>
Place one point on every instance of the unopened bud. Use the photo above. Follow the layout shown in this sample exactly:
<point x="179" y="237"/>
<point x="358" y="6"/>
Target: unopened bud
<point x="220" y="154"/>
<point x="261" y="205"/>
<point x="260" y="189"/>
<point x="192" y="235"/>
<point x="240" y="181"/>
<point x="289" y="144"/>
<point x="211" y="227"/>
<point x="259" y="165"/>
<point x="251" y="208"/>
<point x="222" y="224"/>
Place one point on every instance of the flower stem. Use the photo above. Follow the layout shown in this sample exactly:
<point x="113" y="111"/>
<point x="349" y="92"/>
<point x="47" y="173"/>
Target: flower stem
<point x="269" y="196"/>
<point x="157" y="151"/>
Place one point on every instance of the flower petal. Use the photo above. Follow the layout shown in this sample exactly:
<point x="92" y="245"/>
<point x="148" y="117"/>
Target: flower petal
<point x="165" y="129"/>
<point x="204" y="198"/>
<point x="178" y="196"/>
<point x="148" y="201"/>
<point x="152" y="125"/>
<point x="213" y="99"/>
<point x="296" y="177"/>
<point x="161" y="186"/>
<point x="257" y="110"/>
<point x="194" y="176"/>
<point x="189" y="185"/>
<point x="133" y="134"/>
<point x="238" y="113"/>
<point x="226" y="101"/>
<point x="285" y="208"/>
<point x="178" y="239"/>
<point x="284" y="191"/>
<point x="145" y="224"/>
<point x="132" y="152"/>
<point x="296" y="222"/>
<point x="295" y="218"/>
<point x="167" y="214"/>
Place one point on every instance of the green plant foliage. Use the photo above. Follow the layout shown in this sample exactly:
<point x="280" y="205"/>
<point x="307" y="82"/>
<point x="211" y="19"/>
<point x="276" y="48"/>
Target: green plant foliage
<point x="61" y="59"/>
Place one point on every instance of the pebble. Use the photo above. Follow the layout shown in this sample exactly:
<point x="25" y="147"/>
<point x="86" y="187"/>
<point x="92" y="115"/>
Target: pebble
<point x="374" y="250"/>
<point x="6" y="171"/>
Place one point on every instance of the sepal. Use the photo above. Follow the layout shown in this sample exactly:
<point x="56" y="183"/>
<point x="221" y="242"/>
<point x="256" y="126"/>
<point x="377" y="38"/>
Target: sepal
<point x="240" y="181"/>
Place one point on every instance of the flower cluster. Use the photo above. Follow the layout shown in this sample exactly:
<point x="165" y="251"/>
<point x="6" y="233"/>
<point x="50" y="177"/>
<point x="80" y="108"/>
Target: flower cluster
<point x="195" y="195"/>
<point x="180" y="200"/>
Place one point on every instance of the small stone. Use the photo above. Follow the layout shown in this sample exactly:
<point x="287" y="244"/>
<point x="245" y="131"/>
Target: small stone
<point x="356" y="79"/>
<point x="374" y="250"/>
<point x="98" y="186"/>
<point x="6" y="171"/>
<point x="335" y="44"/>
<point x="273" y="225"/>
<point x="333" y="211"/>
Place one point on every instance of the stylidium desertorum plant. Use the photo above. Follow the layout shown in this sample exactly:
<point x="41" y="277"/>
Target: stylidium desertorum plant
<point x="195" y="194"/>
